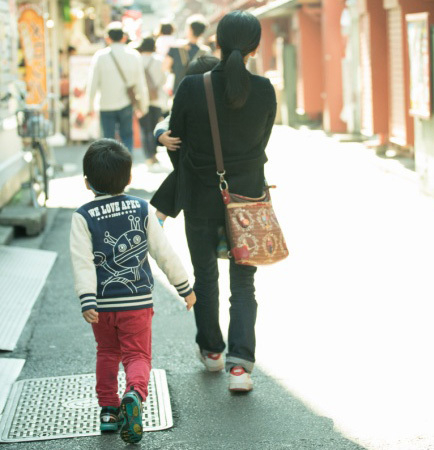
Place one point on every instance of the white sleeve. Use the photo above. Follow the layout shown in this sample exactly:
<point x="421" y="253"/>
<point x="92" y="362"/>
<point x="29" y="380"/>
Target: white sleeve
<point x="164" y="255"/>
<point x="163" y="125"/>
<point x="93" y="83"/>
<point x="81" y="249"/>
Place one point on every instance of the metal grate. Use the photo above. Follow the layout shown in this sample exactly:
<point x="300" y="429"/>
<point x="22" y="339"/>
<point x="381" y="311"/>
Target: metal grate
<point x="63" y="407"/>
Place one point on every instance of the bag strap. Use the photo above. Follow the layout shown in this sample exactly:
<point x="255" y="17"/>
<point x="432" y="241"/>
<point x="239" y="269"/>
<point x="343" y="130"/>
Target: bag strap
<point x="148" y="73"/>
<point x="118" y="67"/>
<point x="214" y="124"/>
<point x="183" y="56"/>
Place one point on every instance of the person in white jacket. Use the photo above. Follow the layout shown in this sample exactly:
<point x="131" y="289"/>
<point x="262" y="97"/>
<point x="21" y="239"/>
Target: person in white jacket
<point x="114" y="69"/>
<point x="110" y="243"/>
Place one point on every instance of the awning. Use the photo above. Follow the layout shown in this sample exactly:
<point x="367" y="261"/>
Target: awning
<point x="275" y="8"/>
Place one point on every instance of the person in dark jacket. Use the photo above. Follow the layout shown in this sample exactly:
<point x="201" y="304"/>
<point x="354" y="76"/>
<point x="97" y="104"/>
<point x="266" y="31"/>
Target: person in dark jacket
<point x="164" y="199"/>
<point x="246" y="108"/>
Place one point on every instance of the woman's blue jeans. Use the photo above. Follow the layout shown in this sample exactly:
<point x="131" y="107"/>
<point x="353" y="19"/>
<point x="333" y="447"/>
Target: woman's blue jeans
<point x="202" y="238"/>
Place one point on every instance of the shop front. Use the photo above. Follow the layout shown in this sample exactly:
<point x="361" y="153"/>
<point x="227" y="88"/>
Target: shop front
<point x="12" y="166"/>
<point x="420" y="40"/>
<point x="401" y="123"/>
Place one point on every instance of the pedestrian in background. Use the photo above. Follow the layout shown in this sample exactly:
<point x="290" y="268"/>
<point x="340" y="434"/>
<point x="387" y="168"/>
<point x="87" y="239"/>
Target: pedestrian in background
<point x="155" y="80"/>
<point x="246" y="108"/>
<point x="179" y="57"/>
<point x="111" y="237"/>
<point x="165" y="38"/>
<point x="113" y="70"/>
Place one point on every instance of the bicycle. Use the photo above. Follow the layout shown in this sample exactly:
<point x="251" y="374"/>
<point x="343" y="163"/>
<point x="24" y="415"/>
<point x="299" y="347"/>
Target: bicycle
<point x="34" y="125"/>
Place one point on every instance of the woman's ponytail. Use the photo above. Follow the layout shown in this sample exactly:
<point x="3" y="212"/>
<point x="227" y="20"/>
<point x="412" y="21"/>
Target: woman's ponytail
<point x="237" y="80"/>
<point x="238" y="35"/>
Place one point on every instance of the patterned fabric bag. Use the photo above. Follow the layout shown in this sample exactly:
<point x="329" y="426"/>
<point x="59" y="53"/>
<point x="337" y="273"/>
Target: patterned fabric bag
<point x="253" y="232"/>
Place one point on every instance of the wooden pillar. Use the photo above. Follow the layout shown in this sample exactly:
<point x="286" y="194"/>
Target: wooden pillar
<point x="374" y="69"/>
<point x="333" y="52"/>
<point x="310" y="76"/>
<point x="266" y="46"/>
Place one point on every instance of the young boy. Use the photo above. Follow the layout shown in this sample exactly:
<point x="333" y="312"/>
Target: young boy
<point x="111" y="237"/>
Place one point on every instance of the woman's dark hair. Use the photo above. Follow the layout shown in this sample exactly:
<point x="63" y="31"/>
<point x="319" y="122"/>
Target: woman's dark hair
<point x="238" y="34"/>
<point x="202" y="64"/>
<point x="147" y="45"/>
<point x="166" y="29"/>
<point x="107" y="166"/>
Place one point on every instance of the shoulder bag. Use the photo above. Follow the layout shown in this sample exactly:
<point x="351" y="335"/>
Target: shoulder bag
<point x="131" y="92"/>
<point x="253" y="232"/>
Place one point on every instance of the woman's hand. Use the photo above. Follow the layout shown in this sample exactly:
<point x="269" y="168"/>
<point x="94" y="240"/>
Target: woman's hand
<point x="172" y="143"/>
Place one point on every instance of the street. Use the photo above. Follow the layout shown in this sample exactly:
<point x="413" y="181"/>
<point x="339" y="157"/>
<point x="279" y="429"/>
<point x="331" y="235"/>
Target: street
<point x="344" y="331"/>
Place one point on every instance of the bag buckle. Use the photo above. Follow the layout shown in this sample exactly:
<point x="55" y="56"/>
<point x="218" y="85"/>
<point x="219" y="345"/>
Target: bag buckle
<point x="223" y="183"/>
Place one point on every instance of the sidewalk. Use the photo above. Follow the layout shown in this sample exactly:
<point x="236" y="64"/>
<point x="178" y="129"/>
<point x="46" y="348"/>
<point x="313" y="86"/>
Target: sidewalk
<point x="344" y="334"/>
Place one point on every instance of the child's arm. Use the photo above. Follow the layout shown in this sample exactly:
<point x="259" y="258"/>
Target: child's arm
<point x="162" y="135"/>
<point x="83" y="267"/>
<point x="167" y="260"/>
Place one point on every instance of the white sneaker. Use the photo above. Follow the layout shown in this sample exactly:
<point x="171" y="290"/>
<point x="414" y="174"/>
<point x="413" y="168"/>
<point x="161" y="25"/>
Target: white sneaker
<point x="239" y="380"/>
<point x="212" y="361"/>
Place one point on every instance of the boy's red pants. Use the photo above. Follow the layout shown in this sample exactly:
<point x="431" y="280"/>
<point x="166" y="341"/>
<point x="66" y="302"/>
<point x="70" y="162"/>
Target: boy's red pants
<point x="122" y="336"/>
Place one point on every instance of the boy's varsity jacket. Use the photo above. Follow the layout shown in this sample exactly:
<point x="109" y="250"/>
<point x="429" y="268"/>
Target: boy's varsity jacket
<point x="110" y="240"/>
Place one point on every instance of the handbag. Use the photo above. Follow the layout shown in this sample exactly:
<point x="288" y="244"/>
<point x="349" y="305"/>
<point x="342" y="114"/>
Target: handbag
<point x="131" y="92"/>
<point x="253" y="232"/>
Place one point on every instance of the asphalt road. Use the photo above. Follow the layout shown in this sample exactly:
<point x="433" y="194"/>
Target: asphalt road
<point x="344" y="325"/>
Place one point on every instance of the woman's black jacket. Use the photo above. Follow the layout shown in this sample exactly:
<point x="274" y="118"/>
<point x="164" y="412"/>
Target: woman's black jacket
<point x="244" y="135"/>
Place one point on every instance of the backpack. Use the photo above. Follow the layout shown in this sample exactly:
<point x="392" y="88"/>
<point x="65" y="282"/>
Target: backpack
<point x="185" y="60"/>
<point x="152" y="87"/>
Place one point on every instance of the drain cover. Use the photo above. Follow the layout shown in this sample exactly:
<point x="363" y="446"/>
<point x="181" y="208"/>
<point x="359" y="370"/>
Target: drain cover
<point x="63" y="407"/>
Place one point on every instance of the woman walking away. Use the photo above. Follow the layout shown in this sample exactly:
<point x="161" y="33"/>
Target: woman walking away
<point x="246" y="107"/>
<point x="155" y="79"/>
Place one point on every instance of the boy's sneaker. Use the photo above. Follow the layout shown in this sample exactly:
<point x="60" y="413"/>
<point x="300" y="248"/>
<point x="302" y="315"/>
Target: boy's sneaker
<point x="110" y="418"/>
<point x="239" y="380"/>
<point x="212" y="361"/>
<point x="222" y="246"/>
<point x="131" y="408"/>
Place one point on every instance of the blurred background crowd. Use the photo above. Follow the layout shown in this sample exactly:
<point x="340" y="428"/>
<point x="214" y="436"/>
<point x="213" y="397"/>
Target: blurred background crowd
<point x="360" y="67"/>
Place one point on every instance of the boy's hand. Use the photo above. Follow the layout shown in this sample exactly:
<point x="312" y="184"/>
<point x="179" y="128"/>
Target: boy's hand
<point x="190" y="300"/>
<point x="91" y="316"/>
<point x="172" y="143"/>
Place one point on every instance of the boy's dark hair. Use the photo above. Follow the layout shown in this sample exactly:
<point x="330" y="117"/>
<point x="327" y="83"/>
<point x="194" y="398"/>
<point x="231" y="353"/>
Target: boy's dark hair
<point x="166" y="29"/>
<point x="197" y="24"/>
<point x="147" y="45"/>
<point x="107" y="166"/>
<point x="202" y="64"/>
<point x="115" y="31"/>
